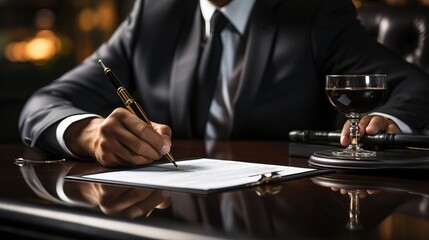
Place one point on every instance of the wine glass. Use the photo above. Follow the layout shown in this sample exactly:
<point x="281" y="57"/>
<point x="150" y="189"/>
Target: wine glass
<point x="355" y="96"/>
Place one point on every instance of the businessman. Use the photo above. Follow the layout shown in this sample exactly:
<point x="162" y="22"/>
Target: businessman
<point x="264" y="78"/>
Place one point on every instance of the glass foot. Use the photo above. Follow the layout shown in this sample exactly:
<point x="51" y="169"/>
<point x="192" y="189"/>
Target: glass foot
<point x="353" y="153"/>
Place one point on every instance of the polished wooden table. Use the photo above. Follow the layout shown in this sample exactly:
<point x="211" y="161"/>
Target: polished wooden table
<point x="36" y="201"/>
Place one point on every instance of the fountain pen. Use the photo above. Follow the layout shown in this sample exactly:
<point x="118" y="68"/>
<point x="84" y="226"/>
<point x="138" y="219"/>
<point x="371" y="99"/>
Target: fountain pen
<point x="129" y="102"/>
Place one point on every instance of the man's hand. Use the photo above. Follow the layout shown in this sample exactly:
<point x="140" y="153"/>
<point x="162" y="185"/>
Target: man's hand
<point x="125" y="201"/>
<point x="121" y="139"/>
<point x="369" y="125"/>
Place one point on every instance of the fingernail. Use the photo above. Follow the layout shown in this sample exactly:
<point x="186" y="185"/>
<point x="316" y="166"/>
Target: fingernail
<point x="371" y="129"/>
<point x="167" y="139"/>
<point x="166" y="136"/>
<point x="165" y="149"/>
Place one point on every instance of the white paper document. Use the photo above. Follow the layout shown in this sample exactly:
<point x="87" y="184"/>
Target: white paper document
<point x="197" y="174"/>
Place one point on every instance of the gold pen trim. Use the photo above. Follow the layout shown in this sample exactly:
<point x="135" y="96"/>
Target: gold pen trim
<point x="130" y="103"/>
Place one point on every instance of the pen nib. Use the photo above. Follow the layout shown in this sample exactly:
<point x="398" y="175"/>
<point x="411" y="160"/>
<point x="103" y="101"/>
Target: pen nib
<point x="171" y="159"/>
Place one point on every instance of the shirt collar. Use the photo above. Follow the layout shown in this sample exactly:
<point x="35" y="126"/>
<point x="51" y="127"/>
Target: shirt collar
<point x="237" y="12"/>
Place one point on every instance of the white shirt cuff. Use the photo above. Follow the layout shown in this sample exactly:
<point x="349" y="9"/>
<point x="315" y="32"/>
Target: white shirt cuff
<point x="64" y="124"/>
<point x="402" y="126"/>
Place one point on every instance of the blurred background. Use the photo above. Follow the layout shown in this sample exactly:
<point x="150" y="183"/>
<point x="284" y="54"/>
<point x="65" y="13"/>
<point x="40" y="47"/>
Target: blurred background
<point x="41" y="39"/>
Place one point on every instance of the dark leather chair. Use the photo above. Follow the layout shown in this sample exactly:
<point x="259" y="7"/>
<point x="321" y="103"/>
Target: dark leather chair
<point x="403" y="29"/>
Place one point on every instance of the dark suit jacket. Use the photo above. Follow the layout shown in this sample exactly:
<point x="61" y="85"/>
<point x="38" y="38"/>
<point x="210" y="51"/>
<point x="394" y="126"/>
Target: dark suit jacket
<point x="291" y="46"/>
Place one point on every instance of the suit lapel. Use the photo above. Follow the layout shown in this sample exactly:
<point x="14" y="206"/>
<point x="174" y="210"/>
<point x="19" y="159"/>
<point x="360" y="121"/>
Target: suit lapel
<point x="262" y="29"/>
<point x="185" y="62"/>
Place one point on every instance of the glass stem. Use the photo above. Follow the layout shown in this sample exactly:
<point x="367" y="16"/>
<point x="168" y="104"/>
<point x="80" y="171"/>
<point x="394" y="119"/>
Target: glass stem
<point x="354" y="211"/>
<point x="354" y="134"/>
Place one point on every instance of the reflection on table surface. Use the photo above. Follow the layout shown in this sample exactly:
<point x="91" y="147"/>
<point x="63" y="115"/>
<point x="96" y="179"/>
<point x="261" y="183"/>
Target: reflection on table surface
<point x="334" y="206"/>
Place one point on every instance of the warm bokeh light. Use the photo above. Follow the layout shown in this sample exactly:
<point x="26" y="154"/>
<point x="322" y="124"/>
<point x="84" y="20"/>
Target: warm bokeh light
<point x="44" y="19"/>
<point x="103" y="18"/>
<point x="15" y="52"/>
<point x="357" y="3"/>
<point x="88" y="20"/>
<point x="40" y="48"/>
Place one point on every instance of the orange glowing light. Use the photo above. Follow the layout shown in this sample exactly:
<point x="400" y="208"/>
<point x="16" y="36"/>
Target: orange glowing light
<point x="88" y="20"/>
<point x="40" y="48"/>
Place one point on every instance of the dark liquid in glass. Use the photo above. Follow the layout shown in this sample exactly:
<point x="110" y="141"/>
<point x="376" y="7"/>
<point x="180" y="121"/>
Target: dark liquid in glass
<point x="355" y="100"/>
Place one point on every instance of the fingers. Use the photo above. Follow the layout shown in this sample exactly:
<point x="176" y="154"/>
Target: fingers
<point x="376" y="124"/>
<point x="130" y="202"/>
<point x="142" y="139"/>
<point x="345" y="134"/>
<point x="371" y="125"/>
<point x="165" y="132"/>
<point x="124" y="139"/>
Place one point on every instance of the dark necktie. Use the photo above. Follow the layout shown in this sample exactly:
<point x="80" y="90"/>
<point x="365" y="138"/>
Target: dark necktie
<point x="208" y="72"/>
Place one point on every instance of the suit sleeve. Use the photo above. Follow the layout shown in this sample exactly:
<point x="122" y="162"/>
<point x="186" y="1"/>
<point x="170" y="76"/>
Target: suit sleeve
<point x="342" y="45"/>
<point x="83" y="89"/>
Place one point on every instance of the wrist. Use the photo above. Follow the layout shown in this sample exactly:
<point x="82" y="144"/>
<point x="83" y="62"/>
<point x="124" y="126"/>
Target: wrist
<point x="80" y="136"/>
